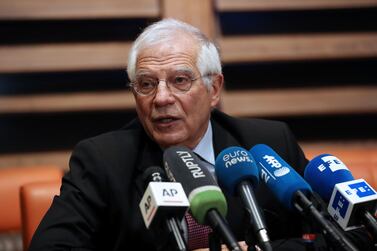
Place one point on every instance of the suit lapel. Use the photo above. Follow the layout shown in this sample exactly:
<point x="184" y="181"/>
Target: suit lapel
<point x="222" y="138"/>
<point x="150" y="155"/>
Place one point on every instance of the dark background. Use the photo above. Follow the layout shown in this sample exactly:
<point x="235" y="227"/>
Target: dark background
<point x="61" y="131"/>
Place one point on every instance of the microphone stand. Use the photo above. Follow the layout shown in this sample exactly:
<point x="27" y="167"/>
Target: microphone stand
<point x="370" y="223"/>
<point x="219" y="225"/>
<point x="250" y="240"/>
<point x="335" y="237"/>
<point x="214" y="242"/>
<point x="175" y="235"/>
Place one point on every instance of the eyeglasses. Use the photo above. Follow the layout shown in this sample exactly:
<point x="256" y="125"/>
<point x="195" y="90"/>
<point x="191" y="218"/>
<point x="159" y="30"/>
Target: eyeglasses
<point x="177" y="83"/>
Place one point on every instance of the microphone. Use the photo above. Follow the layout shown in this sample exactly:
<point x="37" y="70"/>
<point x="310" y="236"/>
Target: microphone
<point x="237" y="172"/>
<point x="293" y="192"/>
<point x="351" y="202"/>
<point x="164" y="203"/>
<point x="207" y="202"/>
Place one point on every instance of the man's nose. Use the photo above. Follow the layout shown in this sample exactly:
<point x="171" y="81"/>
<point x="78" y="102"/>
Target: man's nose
<point x="163" y="93"/>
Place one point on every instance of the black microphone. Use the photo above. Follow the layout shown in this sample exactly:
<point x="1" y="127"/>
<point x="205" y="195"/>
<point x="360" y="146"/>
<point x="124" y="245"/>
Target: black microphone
<point x="164" y="203"/>
<point x="207" y="202"/>
<point x="351" y="202"/>
<point x="294" y="192"/>
<point x="237" y="173"/>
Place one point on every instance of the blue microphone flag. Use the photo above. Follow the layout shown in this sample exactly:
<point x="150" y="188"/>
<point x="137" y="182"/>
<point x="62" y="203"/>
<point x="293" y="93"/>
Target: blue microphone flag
<point x="278" y="175"/>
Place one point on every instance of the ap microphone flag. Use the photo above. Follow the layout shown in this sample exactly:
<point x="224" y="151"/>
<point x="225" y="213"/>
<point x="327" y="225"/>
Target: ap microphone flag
<point x="164" y="198"/>
<point x="157" y="213"/>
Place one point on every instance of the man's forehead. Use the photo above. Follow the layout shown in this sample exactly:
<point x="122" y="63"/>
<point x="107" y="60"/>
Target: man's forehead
<point x="176" y="69"/>
<point x="181" y="41"/>
<point x="153" y="60"/>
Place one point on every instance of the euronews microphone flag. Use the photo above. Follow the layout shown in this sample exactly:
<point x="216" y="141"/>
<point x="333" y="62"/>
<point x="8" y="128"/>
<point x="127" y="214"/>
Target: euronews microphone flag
<point x="350" y="202"/>
<point x="237" y="172"/>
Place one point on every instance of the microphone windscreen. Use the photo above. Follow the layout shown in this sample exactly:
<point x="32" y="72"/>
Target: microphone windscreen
<point x="324" y="172"/>
<point x="154" y="174"/>
<point x="233" y="165"/>
<point x="182" y="165"/>
<point x="278" y="175"/>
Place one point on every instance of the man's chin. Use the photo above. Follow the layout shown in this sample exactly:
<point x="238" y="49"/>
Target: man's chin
<point x="167" y="140"/>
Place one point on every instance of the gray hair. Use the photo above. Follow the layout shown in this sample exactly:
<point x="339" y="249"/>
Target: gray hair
<point x="164" y="31"/>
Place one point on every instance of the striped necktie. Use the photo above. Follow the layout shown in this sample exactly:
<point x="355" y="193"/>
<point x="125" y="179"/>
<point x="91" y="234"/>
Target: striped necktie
<point x="198" y="233"/>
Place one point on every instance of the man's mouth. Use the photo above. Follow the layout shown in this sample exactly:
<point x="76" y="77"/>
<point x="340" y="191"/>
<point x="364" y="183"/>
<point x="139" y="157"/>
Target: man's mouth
<point x="165" y="120"/>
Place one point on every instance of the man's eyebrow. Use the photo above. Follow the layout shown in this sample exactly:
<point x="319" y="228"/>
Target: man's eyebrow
<point x="184" y="70"/>
<point x="144" y="73"/>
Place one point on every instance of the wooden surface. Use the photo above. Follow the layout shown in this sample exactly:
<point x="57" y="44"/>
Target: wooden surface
<point x="113" y="55"/>
<point x="274" y="102"/>
<point x="350" y="152"/>
<point x="63" y="57"/>
<point x="263" y="5"/>
<point x="69" y="102"/>
<point x="237" y="49"/>
<point x="69" y="57"/>
<point x="300" y="101"/>
<point x="58" y="158"/>
<point x="199" y="13"/>
<point x="77" y="9"/>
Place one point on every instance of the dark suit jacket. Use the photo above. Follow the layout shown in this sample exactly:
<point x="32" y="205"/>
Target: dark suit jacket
<point x="98" y="205"/>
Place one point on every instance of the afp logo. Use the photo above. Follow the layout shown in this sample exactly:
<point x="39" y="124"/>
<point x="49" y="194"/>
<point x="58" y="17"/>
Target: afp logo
<point x="280" y="170"/>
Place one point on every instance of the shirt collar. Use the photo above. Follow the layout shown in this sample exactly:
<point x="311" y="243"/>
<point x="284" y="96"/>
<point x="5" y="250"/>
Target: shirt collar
<point x="205" y="146"/>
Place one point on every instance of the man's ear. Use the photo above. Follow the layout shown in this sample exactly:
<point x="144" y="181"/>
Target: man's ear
<point x="216" y="89"/>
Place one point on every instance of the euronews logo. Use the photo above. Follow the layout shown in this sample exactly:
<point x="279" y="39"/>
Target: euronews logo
<point x="280" y="170"/>
<point x="236" y="157"/>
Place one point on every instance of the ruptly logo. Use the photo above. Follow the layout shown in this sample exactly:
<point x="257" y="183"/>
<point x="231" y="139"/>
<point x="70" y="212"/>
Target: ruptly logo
<point x="189" y="161"/>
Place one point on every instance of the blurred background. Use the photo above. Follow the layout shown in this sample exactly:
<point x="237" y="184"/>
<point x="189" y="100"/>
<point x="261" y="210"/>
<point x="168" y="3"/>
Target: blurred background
<point x="63" y="65"/>
<point x="312" y="64"/>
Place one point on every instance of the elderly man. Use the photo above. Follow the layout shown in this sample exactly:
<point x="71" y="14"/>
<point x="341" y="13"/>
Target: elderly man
<point x="176" y="80"/>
